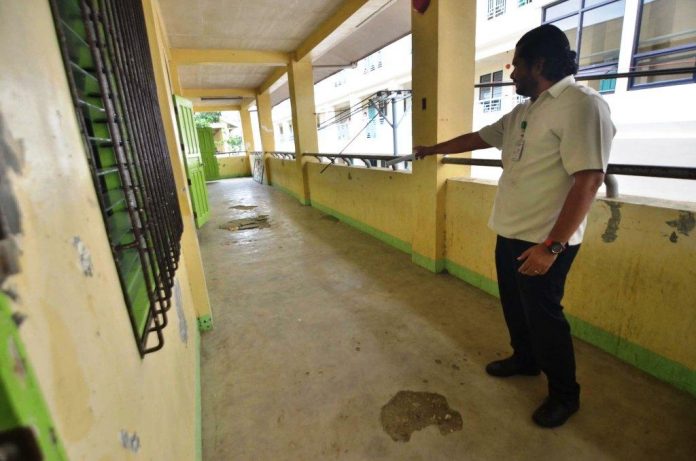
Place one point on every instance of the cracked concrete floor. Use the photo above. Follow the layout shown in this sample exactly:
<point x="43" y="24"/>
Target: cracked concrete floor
<point x="318" y="326"/>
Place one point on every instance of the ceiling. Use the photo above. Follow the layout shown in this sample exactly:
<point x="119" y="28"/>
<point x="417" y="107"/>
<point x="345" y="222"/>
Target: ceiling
<point x="307" y="27"/>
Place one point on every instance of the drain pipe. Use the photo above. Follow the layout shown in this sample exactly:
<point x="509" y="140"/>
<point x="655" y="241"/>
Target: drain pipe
<point x="612" y="186"/>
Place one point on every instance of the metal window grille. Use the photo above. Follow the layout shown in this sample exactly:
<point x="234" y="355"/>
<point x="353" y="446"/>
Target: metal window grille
<point x="491" y="98"/>
<point x="496" y="8"/>
<point x="109" y="70"/>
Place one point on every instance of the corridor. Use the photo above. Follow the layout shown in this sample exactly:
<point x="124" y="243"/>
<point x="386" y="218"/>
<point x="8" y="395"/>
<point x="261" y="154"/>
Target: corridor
<point x="318" y="326"/>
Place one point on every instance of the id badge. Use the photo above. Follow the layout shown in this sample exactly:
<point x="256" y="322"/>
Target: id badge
<point x="517" y="151"/>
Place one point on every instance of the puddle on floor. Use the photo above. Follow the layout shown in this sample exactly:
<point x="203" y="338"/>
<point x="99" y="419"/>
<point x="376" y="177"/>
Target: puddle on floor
<point x="254" y="222"/>
<point x="243" y="207"/>
<point x="410" y="411"/>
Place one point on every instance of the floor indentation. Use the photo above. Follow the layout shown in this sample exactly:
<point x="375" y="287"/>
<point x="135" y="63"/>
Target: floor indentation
<point x="410" y="411"/>
<point x="254" y="222"/>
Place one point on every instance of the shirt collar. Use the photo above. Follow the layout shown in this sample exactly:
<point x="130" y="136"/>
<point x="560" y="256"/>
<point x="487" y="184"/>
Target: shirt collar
<point x="560" y="86"/>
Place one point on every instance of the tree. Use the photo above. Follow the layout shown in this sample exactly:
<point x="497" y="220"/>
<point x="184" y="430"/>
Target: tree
<point x="235" y="143"/>
<point x="204" y="119"/>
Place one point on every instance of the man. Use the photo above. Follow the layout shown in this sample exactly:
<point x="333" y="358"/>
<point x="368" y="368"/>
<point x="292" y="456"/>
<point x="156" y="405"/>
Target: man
<point x="555" y="149"/>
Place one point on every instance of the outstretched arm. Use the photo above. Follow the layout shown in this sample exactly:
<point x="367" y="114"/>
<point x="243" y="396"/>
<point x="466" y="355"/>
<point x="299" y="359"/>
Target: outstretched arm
<point x="464" y="143"/>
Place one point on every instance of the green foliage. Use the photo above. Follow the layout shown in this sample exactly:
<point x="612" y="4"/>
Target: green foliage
<point x="204" y="119"/>
<point x="235" y="143"/>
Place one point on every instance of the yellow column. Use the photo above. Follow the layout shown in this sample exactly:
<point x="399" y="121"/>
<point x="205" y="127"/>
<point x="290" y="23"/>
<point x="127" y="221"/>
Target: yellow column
<point x="247" y="132"/>
<point x="263" y="111"/>
<point x="189" y="241"/>
<point x="263" y="105"/>
<point x="443" y="91"/>
<point x="304" y="122"/>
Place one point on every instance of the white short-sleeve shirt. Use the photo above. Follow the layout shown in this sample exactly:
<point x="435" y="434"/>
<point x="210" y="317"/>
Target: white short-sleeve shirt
<point x="568" y="129"/>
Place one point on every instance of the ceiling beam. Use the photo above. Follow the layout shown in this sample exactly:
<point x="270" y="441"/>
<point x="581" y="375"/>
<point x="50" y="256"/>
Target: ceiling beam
<point x="216" y="107"/>
<point x="183" y="56"/>
<point x="347" y="9"/>
<point x="274" y="77"/>
<point x="218" y="92"/>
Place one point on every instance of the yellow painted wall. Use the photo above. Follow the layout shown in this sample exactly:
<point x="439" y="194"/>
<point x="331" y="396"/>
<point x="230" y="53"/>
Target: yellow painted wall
<point x="378" y="199"/>
<point x="77" y="332"/>
<point x="639" y="287"/>
<point x="234" y="166"/>
<point x="285" y="175"/>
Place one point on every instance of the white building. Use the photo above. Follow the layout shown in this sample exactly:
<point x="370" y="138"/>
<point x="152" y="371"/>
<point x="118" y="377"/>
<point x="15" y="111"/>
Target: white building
<point x="655" y="116"/>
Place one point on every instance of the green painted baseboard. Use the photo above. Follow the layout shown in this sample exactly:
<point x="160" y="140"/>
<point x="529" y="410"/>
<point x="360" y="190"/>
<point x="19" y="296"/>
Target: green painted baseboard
<point x="433" y="265"/>
<point x="197" y="390"/>
<point x="473" y="278"/>
<point x="378" y="234"/>
<point x="292" y="194"/>
<point x="660" y="367"/>
<point x="205" y="323"/>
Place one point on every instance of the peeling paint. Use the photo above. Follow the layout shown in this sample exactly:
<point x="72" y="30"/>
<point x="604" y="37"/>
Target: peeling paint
<point x="178" y="302"/>
<point x="684" y="224"/>
<point x="611" y="232"/>
<point x="11" y="159"/>
<point x="85" y="256"/>
<point x="130" y="441"/>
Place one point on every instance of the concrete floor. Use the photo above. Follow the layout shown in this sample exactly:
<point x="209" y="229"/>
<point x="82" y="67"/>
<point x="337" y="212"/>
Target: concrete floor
<point x="318" y="326"/>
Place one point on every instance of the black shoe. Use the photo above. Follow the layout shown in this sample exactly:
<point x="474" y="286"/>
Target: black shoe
<point x="554" y="412"/>
<point x="510" y="367"/>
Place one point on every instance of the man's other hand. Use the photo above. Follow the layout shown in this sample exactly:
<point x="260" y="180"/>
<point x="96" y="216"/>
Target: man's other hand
<point x="537" y="260"/>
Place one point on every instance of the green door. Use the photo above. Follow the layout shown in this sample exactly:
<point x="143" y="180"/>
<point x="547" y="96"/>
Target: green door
<point x="191" y="151"/>
<point x="210" y="164"/>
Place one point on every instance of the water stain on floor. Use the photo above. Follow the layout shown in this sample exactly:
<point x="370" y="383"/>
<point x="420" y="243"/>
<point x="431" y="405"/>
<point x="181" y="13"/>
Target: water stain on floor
<point x="410" y="411"/>
<point x="254" y="222"/>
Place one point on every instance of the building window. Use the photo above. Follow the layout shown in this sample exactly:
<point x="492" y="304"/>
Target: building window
<point x="496" y="8"/>
<point x="490" y="97"/>
<point x="593" y="28"/>
<point x="371" y="129"/>
<point x="373" y="62"/>
<point x="110" y="74"/>
<point x="666" y="39"/>
<point x="523" y="2"/>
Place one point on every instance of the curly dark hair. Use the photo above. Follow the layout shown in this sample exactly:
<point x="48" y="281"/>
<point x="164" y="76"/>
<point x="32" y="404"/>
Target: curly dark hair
<point x="549" y="43"/>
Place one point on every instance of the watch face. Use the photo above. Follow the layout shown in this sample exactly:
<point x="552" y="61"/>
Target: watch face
<point x="556" y="248"/>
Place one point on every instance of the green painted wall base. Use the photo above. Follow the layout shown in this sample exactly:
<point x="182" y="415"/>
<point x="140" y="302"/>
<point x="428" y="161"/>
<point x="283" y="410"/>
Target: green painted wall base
<point x="292" y="194"/>
<point x="378" y="234"/>
<point x="197" y="390"/>
<point x="232" y="176"/>
<point x="433" y="265"/>
<point x="22" y="405"/>
<point x="473" y="278"/>
<point x="205" y="323"/>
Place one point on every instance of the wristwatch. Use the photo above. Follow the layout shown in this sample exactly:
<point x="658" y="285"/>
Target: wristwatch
<point x="554" y="247"/>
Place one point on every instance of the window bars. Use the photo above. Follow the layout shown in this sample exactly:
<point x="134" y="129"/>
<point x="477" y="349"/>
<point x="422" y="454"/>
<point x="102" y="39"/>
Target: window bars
<point x="109" y="70"/>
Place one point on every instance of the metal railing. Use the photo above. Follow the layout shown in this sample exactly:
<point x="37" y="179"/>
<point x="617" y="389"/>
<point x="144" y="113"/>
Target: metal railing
<point x="653" y="171"/>
<point x="368" y="160"/>
<point x="231" y="153"/>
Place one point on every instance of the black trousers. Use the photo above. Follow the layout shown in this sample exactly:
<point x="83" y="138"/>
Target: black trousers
<point x="539" y="332"/>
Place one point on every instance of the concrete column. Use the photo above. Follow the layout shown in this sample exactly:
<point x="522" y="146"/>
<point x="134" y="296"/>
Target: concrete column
<point x="263" y="105"/>
<point x="247" y="132"/>
<point x="304" y="121"/>
<point x="189" y="240"/>
<point x="443" y="79"/>
<point x="265" y="117"/>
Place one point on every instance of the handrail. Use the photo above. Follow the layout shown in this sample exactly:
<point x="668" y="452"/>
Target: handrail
<point x="653" y="171"/>
<point x="282" y="155"/>
<point x="369" y="160"/>
<point x="635" y="73"/>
